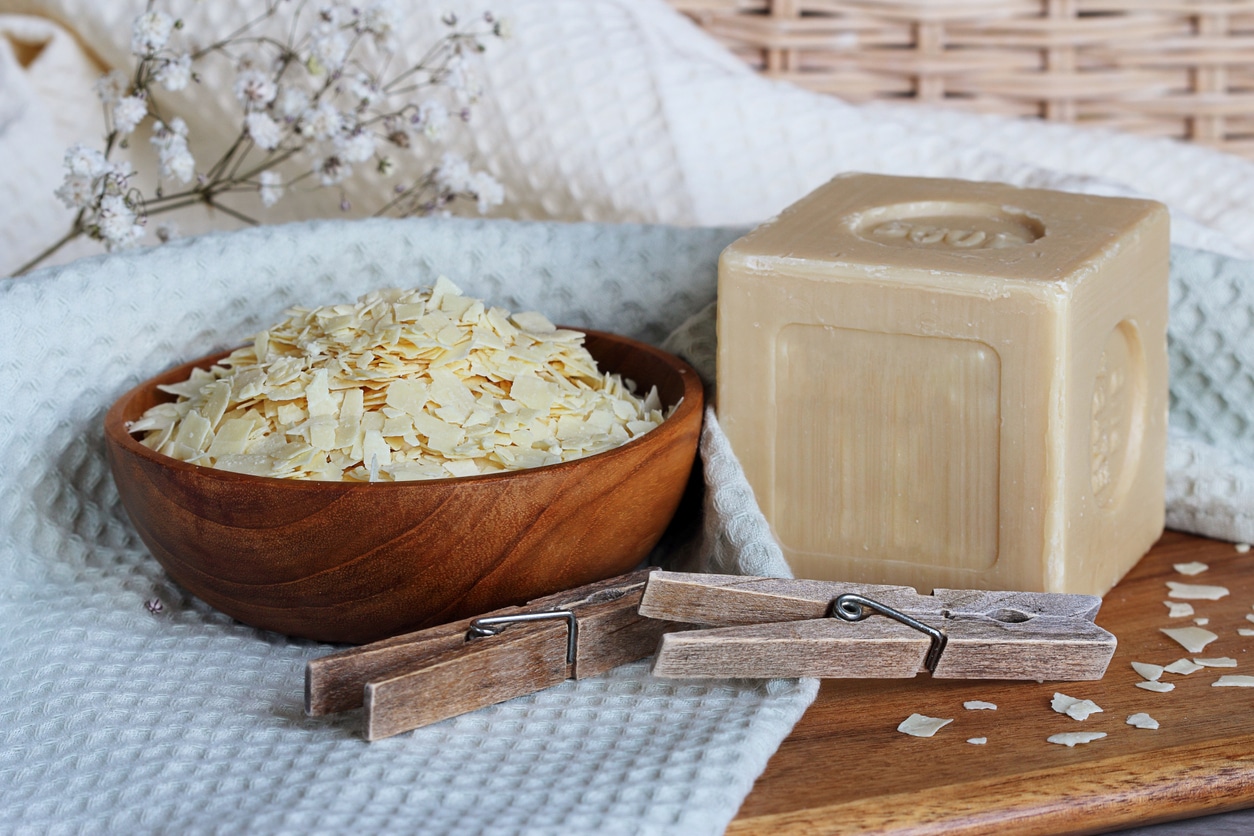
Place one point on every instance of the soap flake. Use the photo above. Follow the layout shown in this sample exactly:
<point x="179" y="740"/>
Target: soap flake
<point x="1192" y="568"/>
<point x="979" y="705"/>
<point x="1071" y="739"/>
<point x="1195" y="591"/>
<point x="1216" y="662"/>
<point x="1075" y="708"/>
<point x="1192" y="639"/>
<point x="1147" y="671"/>
<point x="1183" y="667"/>
<point x="1178" y="609"/>
<point x="920" y="725"/>
<point x="1158" y="687"/>
<point x="1141" y="720"/>
<point x="1233" y="681"/>
<point x="977" y="741"/>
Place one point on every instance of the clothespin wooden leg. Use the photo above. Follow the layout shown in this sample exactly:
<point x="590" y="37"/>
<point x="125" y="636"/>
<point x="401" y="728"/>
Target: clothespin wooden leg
<point x="816" y="628"/>
<point x="410" y="681"/>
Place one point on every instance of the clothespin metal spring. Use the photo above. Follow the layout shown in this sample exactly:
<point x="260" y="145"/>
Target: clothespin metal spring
<point x="493" y="625"/>
<point x="854" y="607"/>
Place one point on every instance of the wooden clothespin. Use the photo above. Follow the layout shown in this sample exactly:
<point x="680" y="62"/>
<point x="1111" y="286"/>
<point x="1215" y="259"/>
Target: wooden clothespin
<point x="787" y="628"/>
<point x="413" y="680"/>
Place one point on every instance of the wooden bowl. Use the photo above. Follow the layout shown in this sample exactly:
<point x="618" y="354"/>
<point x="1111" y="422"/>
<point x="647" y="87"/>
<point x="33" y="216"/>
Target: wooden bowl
<point x="357" y="562"/>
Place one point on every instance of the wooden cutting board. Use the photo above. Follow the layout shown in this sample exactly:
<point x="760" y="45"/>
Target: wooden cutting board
<point x="846" y="769"/>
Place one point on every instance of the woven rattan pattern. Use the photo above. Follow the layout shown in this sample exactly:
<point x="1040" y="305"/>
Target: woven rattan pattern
<point x="1178" y="68"/>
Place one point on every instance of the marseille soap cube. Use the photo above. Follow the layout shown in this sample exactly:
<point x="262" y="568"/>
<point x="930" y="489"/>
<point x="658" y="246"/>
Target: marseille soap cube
<point x="941" y="383"/>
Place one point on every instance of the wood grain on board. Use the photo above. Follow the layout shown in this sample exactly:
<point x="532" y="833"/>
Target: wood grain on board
<point x="846" y="769"/>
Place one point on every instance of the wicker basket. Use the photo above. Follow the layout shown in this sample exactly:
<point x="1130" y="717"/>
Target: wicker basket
<point x="1178" y="68"/>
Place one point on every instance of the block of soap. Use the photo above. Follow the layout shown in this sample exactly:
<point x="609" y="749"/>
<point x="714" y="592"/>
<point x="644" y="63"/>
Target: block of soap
<point x="941" y="383"/>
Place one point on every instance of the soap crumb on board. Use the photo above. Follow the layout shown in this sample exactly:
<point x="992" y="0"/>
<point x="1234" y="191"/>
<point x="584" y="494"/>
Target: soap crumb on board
<point x="1242" y="548"/>
<point x="1183" y="667"/>
<point x="1233" y="681"/>
<point x="1192" y="568"/>
<point x="1142" y="721"/>
<point x="1249" y="616"/>
<point x="1216" y="662"/>
<point x="1195" y="591"/>
<point x="1179" y="609"/>
<point x="1245" y="631"/>
<point x="919" y="725"/>
<point x="977" y="741"/>
<point x="1158" y="687"/>
<point x="1201" y="622"/>
<point x="1070" y="739"/>
<point x="1192" y="639"/>
<point x="1076" y="709"/>
<point x="1148" y="671"/>
<point x="979" y="705"/>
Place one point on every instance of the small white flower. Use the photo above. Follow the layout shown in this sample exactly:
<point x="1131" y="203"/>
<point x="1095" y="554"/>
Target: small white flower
<point x="176" y="73"/>
<point x="255" y="89"/>
<point x="86" y="162"/>
<point x="77" y="191"/>
<point x="487" y="190"/>
<point x="322" y="121"/>
<point x="173" y="155"/>
<point x="380" y="19"/>
<point x="361" y="89"/>
<point x="271" y="187"/>
<point x="357" y="147"/>
<point x="112" y="86"/>
<point x="151" y="32"/>
<point x="331" y="169"/>
<point x="453" y="173"/>
<point x="396" y="129"/>
<point x="328" y="48"/>
<point x="433" y="117"/>
<point x="116" y="222"/>
<point x="163" y="134"/>
<point x="263" y="130"/>
<point x="128" y="113"/>
<point x="292" y="102"/>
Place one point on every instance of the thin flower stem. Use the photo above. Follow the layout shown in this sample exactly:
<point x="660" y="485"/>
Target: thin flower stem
<point x="234" y="214"/>
<point x="75" y="231"/>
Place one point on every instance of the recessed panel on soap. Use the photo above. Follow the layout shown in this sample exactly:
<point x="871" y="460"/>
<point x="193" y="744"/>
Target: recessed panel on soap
<point x="848" y="435"/>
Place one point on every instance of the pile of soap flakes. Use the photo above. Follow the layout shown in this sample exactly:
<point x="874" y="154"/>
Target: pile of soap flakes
<point x="402" y="385"/>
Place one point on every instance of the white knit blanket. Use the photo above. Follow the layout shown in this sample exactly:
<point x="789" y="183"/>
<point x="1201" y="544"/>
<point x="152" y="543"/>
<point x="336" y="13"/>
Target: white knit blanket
<point x="603" y="110"/>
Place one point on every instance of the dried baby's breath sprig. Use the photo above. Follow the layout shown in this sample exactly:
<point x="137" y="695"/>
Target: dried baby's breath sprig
<point x="318" y="99"/>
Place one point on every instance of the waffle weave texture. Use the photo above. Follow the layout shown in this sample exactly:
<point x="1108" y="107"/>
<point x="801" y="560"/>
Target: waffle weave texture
<point x="113" y="719"/>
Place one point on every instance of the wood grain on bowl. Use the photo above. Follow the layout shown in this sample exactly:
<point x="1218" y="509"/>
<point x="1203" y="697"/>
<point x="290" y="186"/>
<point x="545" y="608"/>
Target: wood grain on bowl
<point x="356" y="562"/>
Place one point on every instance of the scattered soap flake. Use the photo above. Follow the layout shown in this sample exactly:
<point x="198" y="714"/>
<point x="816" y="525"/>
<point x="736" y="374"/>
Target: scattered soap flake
<point x="1245" y="631"/>
<point x="1242" y="548"/>
<point x="1142" y="721"/>
<point x="1233" y="681"/>
<point x="1201" y="622"/>
<point x="403" y="384"/>
<point x="1196" y="591"/>
<point x="1179" y="609"/>
<point x="1159" y="687"/>
<point x="979" y="705"/>
<point x="1216" y="662"/>
<point x="1183" y="667"/>
<point x="1249" y="617"/>
<point x="1193" y="639"/>
<point x="1148" y="671"/>
<point x="918" y="725"/>
<point x="1070" y="739"/>
<point x="1077" y="709"/>
<point x="977" y="741"/>
<point x="1191" y="568"/>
